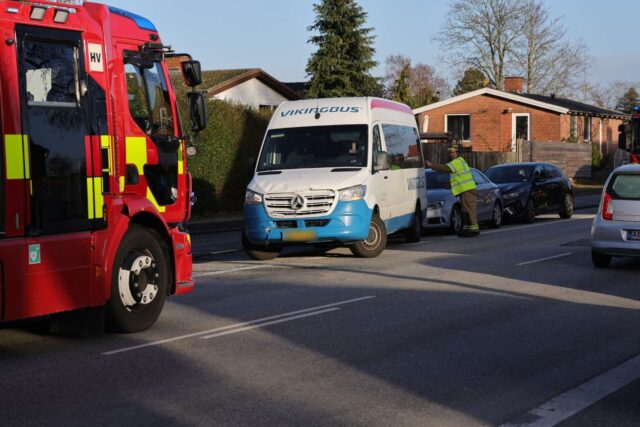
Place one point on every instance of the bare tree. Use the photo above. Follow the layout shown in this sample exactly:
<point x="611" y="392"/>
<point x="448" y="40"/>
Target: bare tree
<point x="548" y="62"/>
<point x="518" y="37"/>
<point x="482" y="34"/>
<point x="419" y="84"/>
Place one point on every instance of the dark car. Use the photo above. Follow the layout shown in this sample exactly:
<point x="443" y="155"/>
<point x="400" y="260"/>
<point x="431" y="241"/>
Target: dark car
<point x="530" y="189"/>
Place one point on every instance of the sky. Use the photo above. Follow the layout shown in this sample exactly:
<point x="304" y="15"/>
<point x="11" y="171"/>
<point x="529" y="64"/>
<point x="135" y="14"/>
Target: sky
<point x="272" y="34"/>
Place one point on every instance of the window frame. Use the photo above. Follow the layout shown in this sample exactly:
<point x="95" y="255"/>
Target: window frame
<point x="446" y="124"/>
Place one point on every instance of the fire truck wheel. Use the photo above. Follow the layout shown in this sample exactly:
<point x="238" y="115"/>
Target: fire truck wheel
<point x="139" y="282"/>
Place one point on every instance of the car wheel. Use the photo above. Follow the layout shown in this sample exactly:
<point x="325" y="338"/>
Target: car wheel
<point x="139" y="282"/>
<point x="414" y="232"/>
<point x="260" y="252"/>
<point x="529" y="212"/>
<point x="567" y="206"/>
<point x="496" y="216"/>
<point x="600" y="260"/>
<point x="375" y="242"/>
<point x="455" y="221"/>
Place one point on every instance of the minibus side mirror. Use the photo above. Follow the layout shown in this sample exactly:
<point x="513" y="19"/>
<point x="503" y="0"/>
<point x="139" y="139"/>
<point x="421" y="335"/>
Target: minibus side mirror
<point x="622" y="138"/>
<point x="382" y="162"/>
<point x="191" y="72"/>
<point x="197" y="111"/>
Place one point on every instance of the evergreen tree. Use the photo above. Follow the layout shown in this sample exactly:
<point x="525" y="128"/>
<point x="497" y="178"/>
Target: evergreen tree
<point x="400" y="90"/>
<point x="472" y="79"/>
<point x="341" y="65"/>
<point x="628" y="101"/>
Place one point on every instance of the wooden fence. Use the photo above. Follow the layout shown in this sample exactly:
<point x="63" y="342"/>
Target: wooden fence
<point x="438" y="153"/>
<point x="574" y="159"/>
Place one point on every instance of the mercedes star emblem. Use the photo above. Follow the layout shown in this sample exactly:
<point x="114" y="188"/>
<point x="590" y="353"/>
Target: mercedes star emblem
<point x="297" y="202"/>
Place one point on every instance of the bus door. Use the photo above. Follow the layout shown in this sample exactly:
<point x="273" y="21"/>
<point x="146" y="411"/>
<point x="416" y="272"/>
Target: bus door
<point x="61" y="209"/>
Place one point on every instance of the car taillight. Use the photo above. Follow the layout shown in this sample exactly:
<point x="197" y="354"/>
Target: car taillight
<point x="607" y="208"/>
<point x="634" y="158"/>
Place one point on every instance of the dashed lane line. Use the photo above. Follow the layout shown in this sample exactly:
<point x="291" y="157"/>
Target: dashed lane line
<point x="579" y="398"/>
<point x="544" y="259"/>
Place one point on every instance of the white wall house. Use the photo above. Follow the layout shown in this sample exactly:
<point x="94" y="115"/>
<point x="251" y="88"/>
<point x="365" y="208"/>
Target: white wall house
<point x="254" y="88"/>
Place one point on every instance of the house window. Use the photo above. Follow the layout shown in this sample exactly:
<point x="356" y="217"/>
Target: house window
<point x="587" y="129"/>
<point x="459" y="126"/>
<point x="574" y="127"/>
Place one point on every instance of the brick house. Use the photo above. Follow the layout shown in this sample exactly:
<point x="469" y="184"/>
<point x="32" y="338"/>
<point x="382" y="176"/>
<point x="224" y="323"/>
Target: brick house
<point x="493" y="120"/>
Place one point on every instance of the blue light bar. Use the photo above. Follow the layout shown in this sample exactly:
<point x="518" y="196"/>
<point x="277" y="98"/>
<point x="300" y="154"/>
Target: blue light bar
<point x="142" y="23"/>
<point x="636" y="108"/>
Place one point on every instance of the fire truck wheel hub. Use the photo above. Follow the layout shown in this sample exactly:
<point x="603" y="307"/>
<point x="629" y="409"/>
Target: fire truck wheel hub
<point x="138" y="283"/>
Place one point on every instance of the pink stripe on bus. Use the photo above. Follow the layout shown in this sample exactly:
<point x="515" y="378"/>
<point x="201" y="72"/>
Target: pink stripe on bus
<point x="381" y="103"/>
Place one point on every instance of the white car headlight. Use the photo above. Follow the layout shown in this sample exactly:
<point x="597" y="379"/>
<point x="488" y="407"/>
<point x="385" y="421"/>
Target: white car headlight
<point x="252" y="198"/>
<point x="353" y="193"/>
<point x="511" y="195"/>
<point x="439" y="204"/>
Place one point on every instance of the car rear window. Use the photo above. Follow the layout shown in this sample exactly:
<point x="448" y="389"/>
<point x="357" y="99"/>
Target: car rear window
<point x="625" y="187"/>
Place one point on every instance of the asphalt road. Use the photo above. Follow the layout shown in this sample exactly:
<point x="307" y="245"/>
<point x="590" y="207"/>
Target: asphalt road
<point x="513" y="327"/>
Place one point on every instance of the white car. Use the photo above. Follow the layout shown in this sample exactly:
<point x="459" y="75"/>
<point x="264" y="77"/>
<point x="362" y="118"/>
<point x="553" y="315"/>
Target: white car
<point x="616" y="226"/>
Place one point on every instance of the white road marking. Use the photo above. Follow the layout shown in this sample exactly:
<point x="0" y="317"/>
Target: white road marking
<point x="545" y="259"/>
<point x="523" y="227"/>
<point x="575" y="400"/>
<point x="273" y="322"/>
<point x="228" y="251"/>
<point x="236" y="325"/>
<point x="232" y="270"/>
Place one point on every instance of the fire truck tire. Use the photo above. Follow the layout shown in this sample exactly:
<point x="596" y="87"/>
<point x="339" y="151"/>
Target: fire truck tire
<point x="139" y="281"/>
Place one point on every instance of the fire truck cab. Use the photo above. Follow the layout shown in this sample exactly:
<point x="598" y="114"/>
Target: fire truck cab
<point x="629" y="136"/>
<point x="95" y="188"/>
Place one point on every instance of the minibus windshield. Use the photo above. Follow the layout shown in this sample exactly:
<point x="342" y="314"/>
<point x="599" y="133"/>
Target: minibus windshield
<point x="315" y="147"/>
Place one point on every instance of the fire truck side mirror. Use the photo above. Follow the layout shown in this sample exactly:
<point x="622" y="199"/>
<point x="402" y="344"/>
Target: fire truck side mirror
<point x="191" y="72"/>
<point x="622" y="138"/>
<point x="197" y="111"/>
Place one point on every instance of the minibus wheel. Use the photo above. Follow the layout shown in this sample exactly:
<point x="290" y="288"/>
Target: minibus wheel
<point x="414" y="232"/>
<point x="260" y="252"/>
<point x="375" y="243"/>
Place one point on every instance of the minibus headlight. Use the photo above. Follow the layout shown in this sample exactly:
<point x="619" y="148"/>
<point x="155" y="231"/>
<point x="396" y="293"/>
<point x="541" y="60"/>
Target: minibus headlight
<point x="252" y="198"/>
<point x="353" y="193"/>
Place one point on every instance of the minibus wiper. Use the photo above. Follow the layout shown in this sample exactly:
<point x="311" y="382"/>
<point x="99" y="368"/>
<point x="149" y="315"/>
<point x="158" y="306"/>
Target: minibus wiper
<point x="345" y="169"/>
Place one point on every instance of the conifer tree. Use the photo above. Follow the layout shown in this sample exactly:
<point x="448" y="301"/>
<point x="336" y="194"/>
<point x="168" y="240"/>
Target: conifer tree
<point x="472" y="79"/>
<point x="629" y="100"/>
<point x="341" y="65"/>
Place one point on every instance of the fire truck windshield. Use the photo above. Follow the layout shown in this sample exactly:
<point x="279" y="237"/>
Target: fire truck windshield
<point x="149" y="101"/>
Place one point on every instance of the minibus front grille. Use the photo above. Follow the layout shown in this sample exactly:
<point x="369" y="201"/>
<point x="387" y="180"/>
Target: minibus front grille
<point x="304" y="204"/>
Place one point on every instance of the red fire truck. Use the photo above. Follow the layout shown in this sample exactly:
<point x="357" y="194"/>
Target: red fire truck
<point x="629" y="137"/>
<point x="95" y="188"/>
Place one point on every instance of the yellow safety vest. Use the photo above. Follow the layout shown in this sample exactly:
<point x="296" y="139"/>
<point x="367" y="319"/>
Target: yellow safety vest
<point x="461" y="177"/>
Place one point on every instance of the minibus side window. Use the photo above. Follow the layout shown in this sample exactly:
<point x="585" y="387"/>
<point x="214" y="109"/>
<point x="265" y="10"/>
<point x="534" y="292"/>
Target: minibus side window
<point x="376" y="146"/>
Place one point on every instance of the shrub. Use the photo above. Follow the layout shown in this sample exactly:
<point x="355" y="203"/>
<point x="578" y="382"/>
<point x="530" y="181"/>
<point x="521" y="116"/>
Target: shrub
<point x="597" y="159"/>
<point x="222" y="169"/>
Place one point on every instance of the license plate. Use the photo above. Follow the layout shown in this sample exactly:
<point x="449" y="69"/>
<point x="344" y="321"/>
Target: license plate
<point x="299" y="236"/>
<point x="633" y="234"/>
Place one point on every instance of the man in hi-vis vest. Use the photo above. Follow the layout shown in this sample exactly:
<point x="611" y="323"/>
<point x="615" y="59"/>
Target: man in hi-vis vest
<point x="463" y="185"/>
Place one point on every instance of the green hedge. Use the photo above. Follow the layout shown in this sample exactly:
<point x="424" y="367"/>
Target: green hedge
<point x="221" y="169"/>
